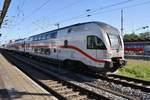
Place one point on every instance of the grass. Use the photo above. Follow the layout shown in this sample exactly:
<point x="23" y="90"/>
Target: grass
<point x="136" y="69"/>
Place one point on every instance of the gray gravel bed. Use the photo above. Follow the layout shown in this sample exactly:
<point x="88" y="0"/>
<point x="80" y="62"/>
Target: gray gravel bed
<point x="118" y="88"/>
<point x="122" y="89"/>
<point x="106" y="94"/>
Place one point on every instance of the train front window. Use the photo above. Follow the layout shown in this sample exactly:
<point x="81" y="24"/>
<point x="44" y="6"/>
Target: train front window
<point x="114" y="40"/>
<point x="93" y="42"/>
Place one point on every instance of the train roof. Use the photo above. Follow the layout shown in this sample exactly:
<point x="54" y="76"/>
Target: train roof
<point x="101" y="24"/>
<point x="18" y="40"/>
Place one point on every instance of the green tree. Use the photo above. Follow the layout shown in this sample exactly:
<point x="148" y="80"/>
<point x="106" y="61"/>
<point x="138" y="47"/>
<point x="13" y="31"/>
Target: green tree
<point x="145" y="36"/>
<point x="131" y="37"/>
<point x="134" y="37"/>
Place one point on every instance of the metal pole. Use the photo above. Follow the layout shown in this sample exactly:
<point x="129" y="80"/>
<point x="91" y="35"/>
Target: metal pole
<point x="58" y="48"/>
<point x="122" y="23"/>
<point x="57" y="25"/>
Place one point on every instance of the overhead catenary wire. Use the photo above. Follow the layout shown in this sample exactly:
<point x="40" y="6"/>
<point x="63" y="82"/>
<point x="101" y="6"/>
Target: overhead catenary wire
<point x="102" y="8"/>
<point x="95" y="10"/>
<point x="35" y="11"/>
<point x="126" y="7"/>
<point x="23" y="3"/>
<point x="69" y="5"/>
<point x="113" y="5"/>
<point x="65" y="8"/>
<point x="31" y="14"/>
<point x="100" y="12"/>
<point x="19" y="10"/>
<point x="15" y="18"/>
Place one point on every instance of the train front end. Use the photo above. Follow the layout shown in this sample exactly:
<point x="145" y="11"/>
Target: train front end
<point x="114" y="53"/>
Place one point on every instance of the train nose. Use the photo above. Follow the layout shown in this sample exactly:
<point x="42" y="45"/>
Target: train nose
<point x="122" y="63"/>
<point x="118" y="61"/>
<point x="115" y="64"/>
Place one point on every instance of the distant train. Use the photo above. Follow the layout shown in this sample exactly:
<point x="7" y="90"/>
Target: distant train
<point x="137" y="48"/>
<point x="97" y="45"/>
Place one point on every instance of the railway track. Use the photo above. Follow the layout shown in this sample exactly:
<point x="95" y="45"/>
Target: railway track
<point x="139" y="89"/>
<point x="128" y="82"/>
<point x="136" y="83"/>
<point x="60" y="88"/>
<point x="123" y="80"/>
<point x="96" y="85"/>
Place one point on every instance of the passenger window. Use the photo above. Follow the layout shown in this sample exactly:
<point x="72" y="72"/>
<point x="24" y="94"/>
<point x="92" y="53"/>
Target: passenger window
<point x="69" y="30"/>
<point x="39" y="37"/>
<point x="93" y="42"/>
<point x="54" y="50"/>
<point x="46" y="51"/>
<point x="35" y="50"/>
<point x="43" y="37"/>
<point x="36" y="38"/>
<point x="65" y="43"/>
<point x="48" y="36"/>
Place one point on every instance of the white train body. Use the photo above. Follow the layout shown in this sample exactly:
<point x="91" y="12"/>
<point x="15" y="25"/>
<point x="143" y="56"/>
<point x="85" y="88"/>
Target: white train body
<point x="95" y="44"/>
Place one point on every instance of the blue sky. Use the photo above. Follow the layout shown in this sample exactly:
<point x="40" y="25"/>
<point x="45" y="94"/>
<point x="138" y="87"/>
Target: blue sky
<point x="29" y="17"/>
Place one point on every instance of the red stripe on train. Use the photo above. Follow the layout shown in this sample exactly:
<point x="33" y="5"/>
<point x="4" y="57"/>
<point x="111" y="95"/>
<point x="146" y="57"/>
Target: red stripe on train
<point x="83" y="53"/>
<point x="74" y="48"/>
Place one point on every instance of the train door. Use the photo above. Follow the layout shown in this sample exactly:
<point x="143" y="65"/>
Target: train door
<point x="91" y="48"/>
<point x="55" y="50"/>
<point x="100" y="48"/>
<point x="96" y="46"/>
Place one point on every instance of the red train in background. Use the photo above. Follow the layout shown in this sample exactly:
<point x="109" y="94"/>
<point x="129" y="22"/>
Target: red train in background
<point x="137" y="48"/>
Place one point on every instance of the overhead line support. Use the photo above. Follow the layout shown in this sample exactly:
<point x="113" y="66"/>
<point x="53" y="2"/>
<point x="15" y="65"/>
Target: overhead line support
<point x="4" y="11"/>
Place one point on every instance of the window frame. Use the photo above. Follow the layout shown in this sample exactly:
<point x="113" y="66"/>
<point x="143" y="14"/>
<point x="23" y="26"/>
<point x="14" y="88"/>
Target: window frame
<point x="97" y="48"/>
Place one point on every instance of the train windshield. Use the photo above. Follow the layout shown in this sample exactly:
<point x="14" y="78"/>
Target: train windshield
<point x="114" y="40"/>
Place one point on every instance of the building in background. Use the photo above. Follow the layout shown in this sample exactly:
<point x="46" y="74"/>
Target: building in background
<point x="137" y="48"/>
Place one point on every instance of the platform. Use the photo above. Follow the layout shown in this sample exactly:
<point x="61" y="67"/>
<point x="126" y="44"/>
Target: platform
<point x="15" y="85"/>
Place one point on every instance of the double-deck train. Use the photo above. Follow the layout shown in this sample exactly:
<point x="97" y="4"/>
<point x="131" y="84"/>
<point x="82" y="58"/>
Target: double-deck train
<point x="96" y="45"/>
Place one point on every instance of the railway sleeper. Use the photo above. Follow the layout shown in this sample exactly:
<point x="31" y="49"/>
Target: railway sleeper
<point x="124" y="80"/>
<point x="65" y="91"/>
<point x="76" y="96"/>
<point x="70" y="94"/>
<point x="148" y="87"/>
<point x="55" y="85"/>
<point x="83" y="97"/>
<point x="139" y="84"/>
<point x="49" y="81"/>
<point x="132" y="82"/>
<point x="58" y="88"/>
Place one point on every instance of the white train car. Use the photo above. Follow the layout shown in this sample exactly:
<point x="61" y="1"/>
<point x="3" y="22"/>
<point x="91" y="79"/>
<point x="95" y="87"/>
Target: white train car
<point x="97" y="45"/>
